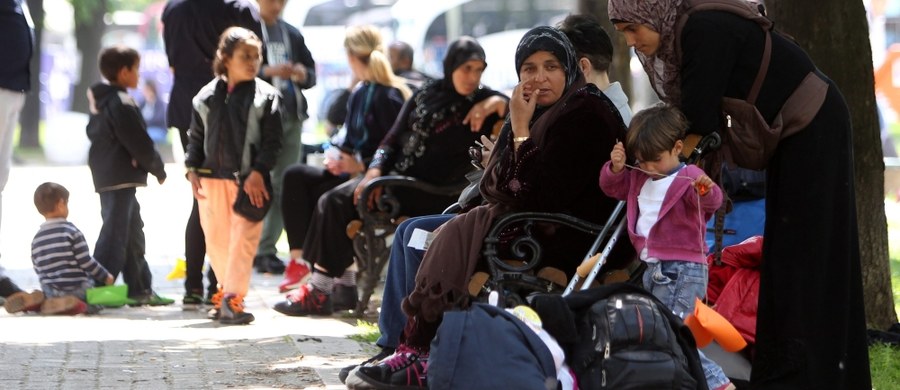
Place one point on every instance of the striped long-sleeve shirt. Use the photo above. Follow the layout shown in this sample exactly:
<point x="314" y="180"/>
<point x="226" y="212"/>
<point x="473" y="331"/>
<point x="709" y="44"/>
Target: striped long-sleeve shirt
<point x="62" y="258"/>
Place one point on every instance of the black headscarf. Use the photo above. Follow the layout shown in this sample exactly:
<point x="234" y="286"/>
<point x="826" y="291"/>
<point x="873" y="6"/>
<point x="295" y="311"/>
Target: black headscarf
<point x="438" y="100"/>
<point x="461" y="51"/>
<point x="439" y="97"/>
<point x="551" y="40"/>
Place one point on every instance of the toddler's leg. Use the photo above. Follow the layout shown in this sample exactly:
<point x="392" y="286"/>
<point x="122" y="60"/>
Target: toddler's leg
<point x="678" y="284"/>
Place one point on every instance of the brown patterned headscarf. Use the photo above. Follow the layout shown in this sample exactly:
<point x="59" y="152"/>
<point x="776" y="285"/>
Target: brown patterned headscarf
<point x="659" y="15"/>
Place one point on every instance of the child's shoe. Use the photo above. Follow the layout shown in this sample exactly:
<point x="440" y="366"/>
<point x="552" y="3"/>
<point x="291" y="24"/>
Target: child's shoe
<point x="192" y="301"/>
<point x="232" y="311"/>
<point x="93" y="309"/>
<point x="216" y="302"/>
<point x="23" y="301"/>
<point x="150" y="299"/>
<point x="68" y="305"/>
<point x="159" y="300"/>
<point x="295" y="274"/>
<point x="306" y="300"/>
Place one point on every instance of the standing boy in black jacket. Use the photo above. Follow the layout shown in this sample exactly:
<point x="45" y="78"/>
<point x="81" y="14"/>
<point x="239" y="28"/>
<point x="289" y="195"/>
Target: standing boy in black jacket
<point x="121" y="154"/>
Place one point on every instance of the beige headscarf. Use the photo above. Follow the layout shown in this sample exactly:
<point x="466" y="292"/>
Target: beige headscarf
<point x="660" y="15"/>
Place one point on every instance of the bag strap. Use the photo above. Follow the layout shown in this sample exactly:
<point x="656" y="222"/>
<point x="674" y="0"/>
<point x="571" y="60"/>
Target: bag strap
<point x="744" y="10"/>
<point x="719" y="227"/>
<point x="763" y="69"/>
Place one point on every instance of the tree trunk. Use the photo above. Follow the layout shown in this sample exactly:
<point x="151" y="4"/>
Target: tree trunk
<point x="836" y="35"/>
<point x="88" y="33"/>
<point x="30" y="116"/>
<point x="620" y="69"/>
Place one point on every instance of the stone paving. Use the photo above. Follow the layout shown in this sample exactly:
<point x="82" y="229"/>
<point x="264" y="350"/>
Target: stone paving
<point x="155" y="347"/>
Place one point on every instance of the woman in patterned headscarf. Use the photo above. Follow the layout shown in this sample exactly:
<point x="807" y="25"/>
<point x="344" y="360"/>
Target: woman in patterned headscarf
<point x="810" y="330"/>
<point x="558" y="135"/>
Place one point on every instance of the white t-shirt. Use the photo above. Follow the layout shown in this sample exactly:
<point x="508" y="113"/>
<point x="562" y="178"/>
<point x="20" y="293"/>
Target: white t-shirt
<point x="650" y="201"/>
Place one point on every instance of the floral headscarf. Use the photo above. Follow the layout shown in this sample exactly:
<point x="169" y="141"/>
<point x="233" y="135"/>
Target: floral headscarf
<point x="660" y="15"/>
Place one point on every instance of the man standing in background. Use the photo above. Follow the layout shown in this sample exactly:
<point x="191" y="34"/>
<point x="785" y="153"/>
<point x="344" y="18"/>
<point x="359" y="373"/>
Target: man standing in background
<point x="191" y="30"/>
<point x="401" y="56"/>
<point x="291" y="69"/>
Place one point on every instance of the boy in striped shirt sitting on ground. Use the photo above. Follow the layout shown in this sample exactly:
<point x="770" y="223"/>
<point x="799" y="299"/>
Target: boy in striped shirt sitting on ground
<point x="61" y="256"/>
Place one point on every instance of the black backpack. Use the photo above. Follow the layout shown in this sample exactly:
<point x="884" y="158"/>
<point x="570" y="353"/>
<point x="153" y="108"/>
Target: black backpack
<point x="620" y="336"/>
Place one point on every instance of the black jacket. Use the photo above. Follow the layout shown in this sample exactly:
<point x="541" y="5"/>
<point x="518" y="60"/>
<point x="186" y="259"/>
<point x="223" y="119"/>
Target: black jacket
<point x="191" y="35"/>
<point x="121" y="151"/>
<point x="234" y="132"/>
<point x="18" y="46"/>
<point x="299" y="55"/>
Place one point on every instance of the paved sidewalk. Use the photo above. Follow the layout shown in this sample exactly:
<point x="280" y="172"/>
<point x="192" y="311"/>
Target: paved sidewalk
<point x="155" y="347"/>
<point x="168" y="348"/>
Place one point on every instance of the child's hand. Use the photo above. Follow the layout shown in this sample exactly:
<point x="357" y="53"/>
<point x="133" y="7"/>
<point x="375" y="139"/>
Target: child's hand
<point x="255" y="187"/>
<point x="617" y="158"/>
<point x="703" y="184"/>
<point x="195" y="184"/>
<point x="110" y="280"/>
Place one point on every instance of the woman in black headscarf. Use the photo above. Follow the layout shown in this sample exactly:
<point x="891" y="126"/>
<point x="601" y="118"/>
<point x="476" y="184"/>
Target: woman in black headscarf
<point x="558" y="135"/>
<point x="429" y="141"/>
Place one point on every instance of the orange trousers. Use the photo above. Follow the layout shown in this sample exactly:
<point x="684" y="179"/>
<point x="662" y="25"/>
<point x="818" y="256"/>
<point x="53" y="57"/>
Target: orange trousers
<point x="231" y="239"/>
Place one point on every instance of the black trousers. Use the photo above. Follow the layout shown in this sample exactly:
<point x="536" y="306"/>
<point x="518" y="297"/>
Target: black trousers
<point x="120" y="245"/>
<point x="302" y="186"/>
<point x="327" y="243"/>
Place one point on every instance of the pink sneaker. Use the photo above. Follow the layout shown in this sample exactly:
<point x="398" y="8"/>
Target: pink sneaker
<point x="295" y="274"/>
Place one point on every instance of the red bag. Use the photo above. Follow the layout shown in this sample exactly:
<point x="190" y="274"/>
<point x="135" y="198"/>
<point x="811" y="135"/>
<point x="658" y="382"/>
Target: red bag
<point x="733" y="288"/>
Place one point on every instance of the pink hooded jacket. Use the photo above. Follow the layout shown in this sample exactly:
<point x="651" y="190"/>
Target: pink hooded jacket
<point x="680" y="231"/>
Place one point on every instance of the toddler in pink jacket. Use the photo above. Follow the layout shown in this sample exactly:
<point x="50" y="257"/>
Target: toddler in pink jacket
<point x="668" y="205"/>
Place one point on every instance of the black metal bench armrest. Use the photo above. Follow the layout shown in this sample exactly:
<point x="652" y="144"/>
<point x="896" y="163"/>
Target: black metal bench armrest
<point x="524" y="252"/>
<point x="389" y="204"/>
<point x="369" y="244"/>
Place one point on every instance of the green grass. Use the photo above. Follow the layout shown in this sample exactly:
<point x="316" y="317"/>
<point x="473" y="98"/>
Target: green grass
<point x="367" y="332"/>
<point x="885" y="365"/>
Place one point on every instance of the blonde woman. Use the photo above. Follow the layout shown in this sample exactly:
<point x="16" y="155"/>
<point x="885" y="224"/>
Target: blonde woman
<point x="314" y="200"/>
